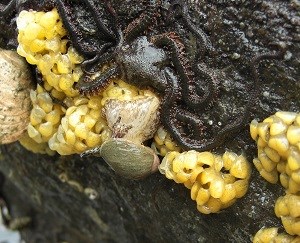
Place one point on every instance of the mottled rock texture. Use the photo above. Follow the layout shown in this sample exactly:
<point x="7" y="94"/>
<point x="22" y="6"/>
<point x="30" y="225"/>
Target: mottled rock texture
<point x="155" y="209"/>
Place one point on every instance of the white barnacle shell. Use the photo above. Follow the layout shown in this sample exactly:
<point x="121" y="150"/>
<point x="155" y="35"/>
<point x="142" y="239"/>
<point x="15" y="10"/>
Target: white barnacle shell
<point x="128" y="159"/>
<point x="15" y="104"/>
<point x="134" y="120"/>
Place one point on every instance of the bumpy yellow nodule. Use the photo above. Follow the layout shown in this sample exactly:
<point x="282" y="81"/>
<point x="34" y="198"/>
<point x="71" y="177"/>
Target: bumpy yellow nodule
<point x="268" y="235"/>
<point x="288" y="209"/>
<point x="42" y="41"/>
<point x="278" y="142"/>
<point x="31" y="145"/>
<point x="163" y="143"/>
<point x="45" y="116"/>
<point x="215" y="181"/>
<point x="81" y="128"/>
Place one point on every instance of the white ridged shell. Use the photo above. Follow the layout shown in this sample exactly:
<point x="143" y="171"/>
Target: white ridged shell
<point x="135" y="120"/>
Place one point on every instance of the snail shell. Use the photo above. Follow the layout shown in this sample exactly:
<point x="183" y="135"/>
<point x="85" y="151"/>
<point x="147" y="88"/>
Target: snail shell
<point x="134" y="120"/>
<point x="130" y="160"/>
<point x="15" y="104"/>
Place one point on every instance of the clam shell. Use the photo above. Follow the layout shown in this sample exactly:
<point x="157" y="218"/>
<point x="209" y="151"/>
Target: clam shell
<point x="15" y="104"/>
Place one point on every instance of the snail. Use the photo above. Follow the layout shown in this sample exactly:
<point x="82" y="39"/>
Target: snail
<point x="15" y="104"/>
<point x="132" y="122"/>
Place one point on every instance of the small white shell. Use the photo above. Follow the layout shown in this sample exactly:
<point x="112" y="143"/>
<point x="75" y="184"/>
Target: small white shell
<point x="134" y="120"/>
<point x="15" y="104"/>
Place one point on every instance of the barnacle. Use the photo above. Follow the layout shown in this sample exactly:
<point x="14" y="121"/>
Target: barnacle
<point x="267" y="235"/>
<point x="215" y="181"/>
<point x="278" y="142"/>
<point x="41" y="42"/>
<point x="135" y="120"/>
<point x="287" y="208"/>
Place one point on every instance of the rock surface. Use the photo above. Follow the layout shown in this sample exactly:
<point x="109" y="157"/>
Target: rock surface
<point x="82" y="200"/>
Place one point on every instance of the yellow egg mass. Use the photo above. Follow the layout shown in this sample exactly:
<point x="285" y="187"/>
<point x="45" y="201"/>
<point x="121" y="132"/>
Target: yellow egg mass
<point x="215" y="181"/>
<point x="279" y="153"/>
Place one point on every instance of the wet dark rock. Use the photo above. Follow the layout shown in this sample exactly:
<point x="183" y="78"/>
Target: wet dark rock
<point x="51" y="190"/>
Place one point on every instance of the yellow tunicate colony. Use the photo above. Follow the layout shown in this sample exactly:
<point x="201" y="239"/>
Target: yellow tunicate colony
<point x="215" y="181"/>
<point x="41" y="42"/>
<point x="270" y="235"/>
<point x="288" y="209"/>
<point x="278" y="142"/>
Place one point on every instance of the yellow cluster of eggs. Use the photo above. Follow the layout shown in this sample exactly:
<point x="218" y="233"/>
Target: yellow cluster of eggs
<point x="268" y="235"/>
<point x="278" y="142"/>
<point x="81" y="128"/>
<point x="31" y="145"/>
<point x="215" y="181"/>
<point x="288" y="209"/>
<point x="45" y="116"/>
<point x="163" y="143"/>
<point x="41" y="42"/>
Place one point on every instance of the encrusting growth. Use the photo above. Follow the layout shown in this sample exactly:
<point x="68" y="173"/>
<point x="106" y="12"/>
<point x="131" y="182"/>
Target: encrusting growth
<point x="45" y="116"/>
<point x="163" y="143"/>
<point x="81" y="128"/>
